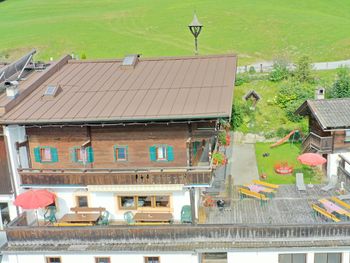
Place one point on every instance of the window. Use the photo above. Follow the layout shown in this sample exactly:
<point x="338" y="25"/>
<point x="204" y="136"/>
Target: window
<point x="347" y="136"/>
<point x="45" y="154"/>
<point x="161" y="153"/>
<point x="127" y="202"/>
<point x="102" y="260"/>
<point x="120" y="153"/>
<point x="82" y="201"/>
<point x="82" y="155"/>
<point x="135" y="202"/>
<point x="53" y="260"/>
<point x="292" y="258"/>
<point x="327" y="258"/>
<point x="152" y="260"/>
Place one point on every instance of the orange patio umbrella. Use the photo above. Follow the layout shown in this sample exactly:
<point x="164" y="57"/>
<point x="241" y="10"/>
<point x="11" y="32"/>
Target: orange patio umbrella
<point x="34" y="199"/>
<point x="311" y="159"/>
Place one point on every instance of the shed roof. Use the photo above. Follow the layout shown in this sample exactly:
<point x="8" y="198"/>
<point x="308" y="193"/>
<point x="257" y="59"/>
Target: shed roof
<point x="168" y="88"/>
<point x="330" y="113"/>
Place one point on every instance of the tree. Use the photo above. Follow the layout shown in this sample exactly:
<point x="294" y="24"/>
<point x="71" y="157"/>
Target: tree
<point x="341" y="86"/>
<point x="303" y="70"/>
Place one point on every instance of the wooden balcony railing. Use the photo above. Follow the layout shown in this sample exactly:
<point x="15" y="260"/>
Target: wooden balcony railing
<point x="314" y="142"/>
<point x="169" y="175"/>
<point x="181" y="233"/>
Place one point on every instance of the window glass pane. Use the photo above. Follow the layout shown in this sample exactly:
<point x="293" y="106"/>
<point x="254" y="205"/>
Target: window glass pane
<point x="121" y="153"/>
<point x="161" y="153"/>
<point x="298" y="258"/>
<point x="127" y="201"/>
<point x="320" y="258"/>
<point x="334" y="258"/>
<point x="162" y="201"/>
<point x="347" y="133"/>
<point x="81" y="154"/>
<point x="144" y="201"/>
<point x="285" y="258"/>
<point x="45" y="154"/>
<point x="102" y="260"/>
<point x="82" y="201"/>
<point x="53" y="260"/>
<point x="152" y="259"/>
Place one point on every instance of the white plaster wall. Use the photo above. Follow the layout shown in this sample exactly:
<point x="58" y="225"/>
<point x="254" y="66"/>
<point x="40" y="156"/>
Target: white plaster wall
<point x="15" y="133"/>
<point x="247" y="257"/>
<point x="332" y="164"/>
<point x="90" y="258"/>
<point x="12" y="208"/>
<point x="66" y="200"/>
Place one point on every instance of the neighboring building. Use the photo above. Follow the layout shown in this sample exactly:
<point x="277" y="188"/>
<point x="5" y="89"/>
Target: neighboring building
<point x="21" y="70"/>
<point x="329" y="129"/>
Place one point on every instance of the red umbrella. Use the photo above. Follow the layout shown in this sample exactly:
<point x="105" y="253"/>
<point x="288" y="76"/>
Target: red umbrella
<point x="34" y="199"/>
<point x="311" y="159"/>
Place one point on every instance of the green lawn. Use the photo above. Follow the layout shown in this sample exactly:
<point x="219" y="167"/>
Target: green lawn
<point x="269" y="117"/>
<point x="284" y="153"/>
<point x="256" y="30"/>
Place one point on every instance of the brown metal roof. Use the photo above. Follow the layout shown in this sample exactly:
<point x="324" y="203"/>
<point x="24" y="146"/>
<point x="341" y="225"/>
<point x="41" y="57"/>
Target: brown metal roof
<point x="161" y="88"/>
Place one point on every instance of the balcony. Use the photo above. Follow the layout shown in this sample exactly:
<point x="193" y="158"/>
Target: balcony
<point x="316" y="143"/>
<point x="82" y="177"/>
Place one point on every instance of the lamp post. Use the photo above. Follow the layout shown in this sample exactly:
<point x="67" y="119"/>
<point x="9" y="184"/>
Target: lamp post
<point x="195" y="28"/>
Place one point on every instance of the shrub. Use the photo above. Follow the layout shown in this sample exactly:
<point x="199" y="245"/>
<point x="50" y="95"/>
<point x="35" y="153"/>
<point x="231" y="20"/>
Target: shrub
<point x="237" y="116"/>
<point x="251" y="70"/>
<point x="83" y="56"/>
<point x="341" y="86"/>
<point x="241" y="79"/>
<point x="222" y="138"/>
<point x="279" y="71"/>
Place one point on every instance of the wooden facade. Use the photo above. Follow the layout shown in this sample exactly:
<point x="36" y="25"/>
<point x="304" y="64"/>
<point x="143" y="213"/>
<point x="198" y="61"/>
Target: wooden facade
<point x="137" y="168"/>
<point x="325" y="142"/>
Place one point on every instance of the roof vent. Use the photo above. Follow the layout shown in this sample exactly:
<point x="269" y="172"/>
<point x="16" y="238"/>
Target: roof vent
<point x="130" y="61"/>
<point x="51" y="91"/>
<point x="11" y="89"/>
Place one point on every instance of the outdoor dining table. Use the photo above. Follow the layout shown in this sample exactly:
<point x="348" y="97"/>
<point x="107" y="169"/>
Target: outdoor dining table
<point x="153" y="217"/>
<point x="91" y="218"/>
<point x="332" y="207"/>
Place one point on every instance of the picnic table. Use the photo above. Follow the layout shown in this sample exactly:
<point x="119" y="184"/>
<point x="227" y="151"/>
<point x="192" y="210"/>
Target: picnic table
<point x="258" y="188"/>
<point x="332" y="207"/>
<point x="153" y="217"/>
<point x="81" y="218"/>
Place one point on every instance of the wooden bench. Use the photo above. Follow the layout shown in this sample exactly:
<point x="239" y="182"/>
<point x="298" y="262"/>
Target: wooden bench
<point x="72" y="224"/>
<point x="325" y="213"/>
<point x="274" y="186"/>
<point x="246" y="192"/>
<point x="340" y="202"/>
<point x="87" y="209"/>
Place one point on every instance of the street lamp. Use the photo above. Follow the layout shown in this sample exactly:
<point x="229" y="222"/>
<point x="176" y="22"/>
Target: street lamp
<point x="195" y="28"/>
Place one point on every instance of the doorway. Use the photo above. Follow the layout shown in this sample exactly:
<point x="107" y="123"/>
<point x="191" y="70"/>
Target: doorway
<point x="5" y="213"/>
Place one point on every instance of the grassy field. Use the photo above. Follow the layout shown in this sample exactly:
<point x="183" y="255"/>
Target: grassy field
<point x="283" y="153"/>
<point x="256" y="30"/>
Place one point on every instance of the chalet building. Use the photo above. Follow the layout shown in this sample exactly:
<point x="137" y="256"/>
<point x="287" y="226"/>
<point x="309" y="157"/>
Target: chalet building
<point x="132" y="135"/>
<point x="329" y="129"/>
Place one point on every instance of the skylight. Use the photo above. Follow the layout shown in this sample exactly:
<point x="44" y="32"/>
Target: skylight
<point x="130" y="60"/>
<point x="51" y="91"/>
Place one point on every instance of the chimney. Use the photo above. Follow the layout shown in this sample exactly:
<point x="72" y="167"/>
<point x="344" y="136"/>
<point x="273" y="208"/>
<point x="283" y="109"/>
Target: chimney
<point x="11" y="89"/>
<point x="320" y="93"/>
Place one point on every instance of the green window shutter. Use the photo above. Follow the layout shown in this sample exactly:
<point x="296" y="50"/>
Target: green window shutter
<point x="90" y="154"/>
<point x="170" y="152"/>
<point x="152" y="153"/>
<point x="37" y="156"/>
<point x="115" y="152"/>
<point x="73" y="154"/>
<point x="54" y="155"/>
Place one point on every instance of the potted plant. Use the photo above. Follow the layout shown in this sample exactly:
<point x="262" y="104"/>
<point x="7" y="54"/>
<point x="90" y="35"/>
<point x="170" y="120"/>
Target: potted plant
<point x="222" y="138"/>
<point x="218" y="158"/>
